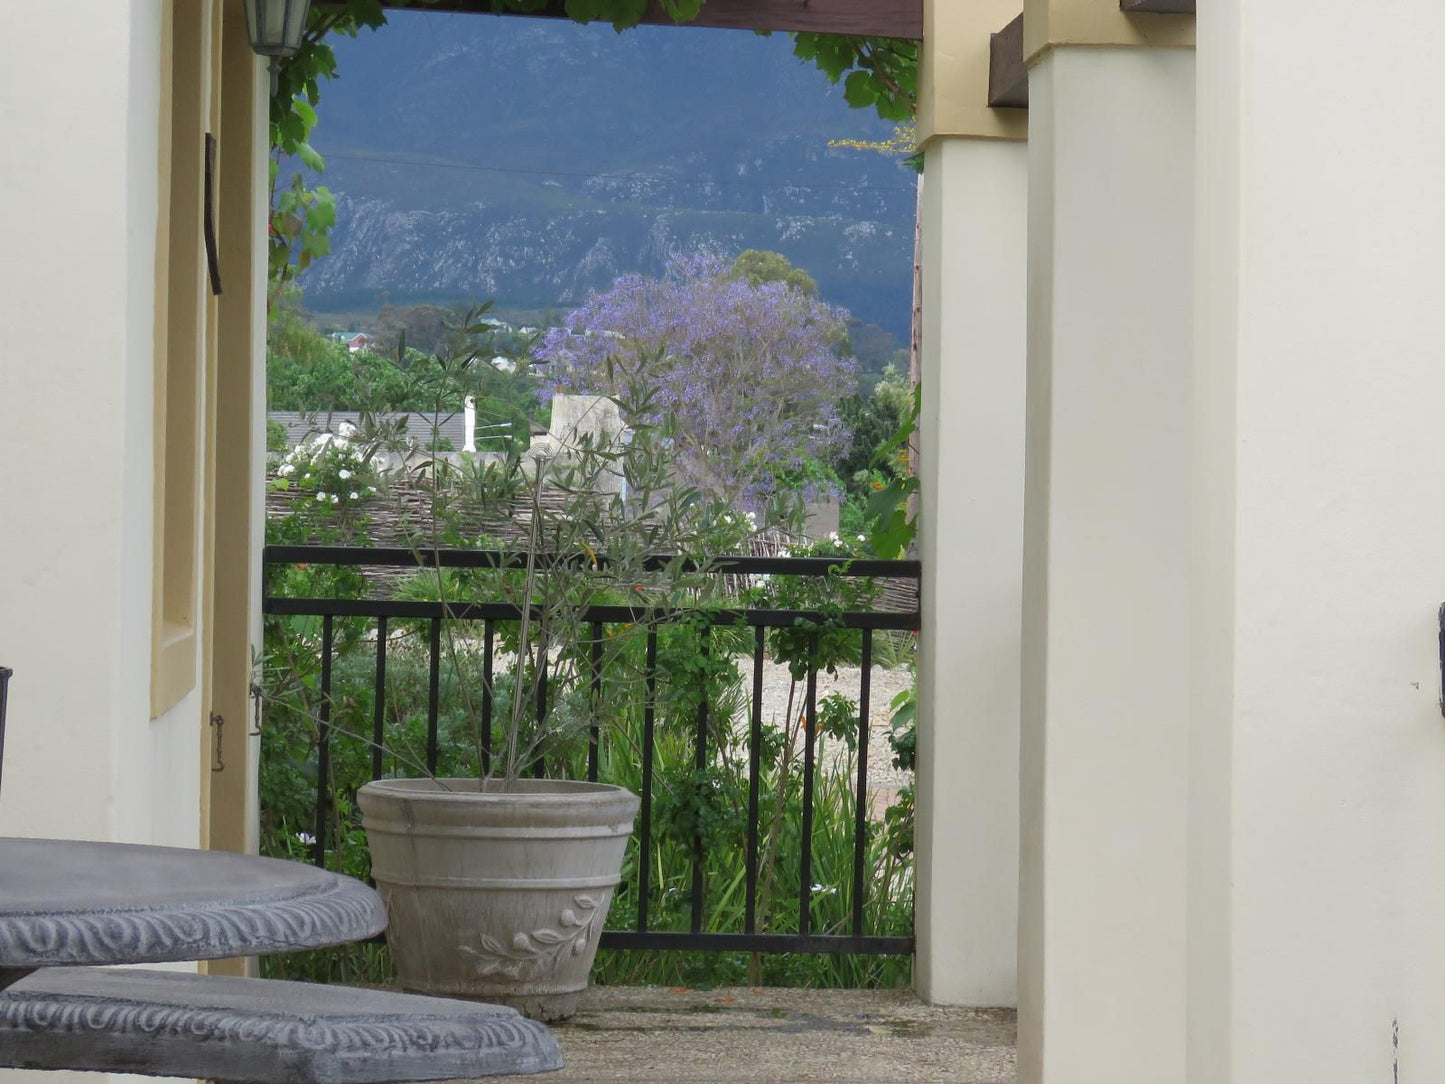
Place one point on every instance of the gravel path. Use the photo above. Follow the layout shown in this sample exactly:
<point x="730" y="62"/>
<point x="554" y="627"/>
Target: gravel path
<point x="738" y="1035"/>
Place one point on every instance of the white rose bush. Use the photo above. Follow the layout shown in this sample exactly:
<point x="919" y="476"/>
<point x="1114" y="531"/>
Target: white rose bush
<point x="332" y="466"/>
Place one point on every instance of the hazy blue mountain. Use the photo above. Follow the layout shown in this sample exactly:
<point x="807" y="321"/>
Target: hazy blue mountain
<point x="530" y="160"/>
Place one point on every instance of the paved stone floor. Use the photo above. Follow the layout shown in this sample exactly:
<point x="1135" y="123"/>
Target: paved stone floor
<point x="720" y="1036"/>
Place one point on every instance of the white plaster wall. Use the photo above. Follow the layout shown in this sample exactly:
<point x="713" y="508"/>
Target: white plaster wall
<point x="971" y="544"/>
<point x="1212" y="612"/>
<point x="1106" y="636"/>
<point x="1320" y="316"/>
<point x="78" y="207"/>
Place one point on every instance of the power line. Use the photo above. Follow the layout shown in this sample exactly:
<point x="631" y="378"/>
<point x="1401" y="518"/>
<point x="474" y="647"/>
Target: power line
<point x="397" y="160"/>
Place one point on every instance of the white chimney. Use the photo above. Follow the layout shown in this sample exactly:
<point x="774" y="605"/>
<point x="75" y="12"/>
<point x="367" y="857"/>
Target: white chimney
<point x="469" y="409"/>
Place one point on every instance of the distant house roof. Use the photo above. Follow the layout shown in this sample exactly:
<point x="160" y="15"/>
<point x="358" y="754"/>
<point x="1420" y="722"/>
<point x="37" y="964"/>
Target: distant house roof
<point x="419" y="427"/>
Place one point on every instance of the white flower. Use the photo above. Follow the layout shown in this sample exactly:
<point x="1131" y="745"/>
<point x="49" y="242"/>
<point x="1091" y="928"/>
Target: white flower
<point x="286" y="469"/>
<point x="355" y="496"/>
<point x="344" y="474"/>
<point x="833" y="538"/>
<point x="346" y="429"/>
<point x="371" y="489"/>
<point x="306" y="477"/>
<point x="320" y="496"/>
<point x="862" y="539"/>
<point x="335" y="498"/>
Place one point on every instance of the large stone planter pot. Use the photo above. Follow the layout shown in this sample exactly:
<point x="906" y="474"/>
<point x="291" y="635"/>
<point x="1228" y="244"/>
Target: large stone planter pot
<point x="497" y="895"/>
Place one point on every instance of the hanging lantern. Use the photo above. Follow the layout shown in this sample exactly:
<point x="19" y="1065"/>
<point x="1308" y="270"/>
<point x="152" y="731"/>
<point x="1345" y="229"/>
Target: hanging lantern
<point x="276" y="28"/>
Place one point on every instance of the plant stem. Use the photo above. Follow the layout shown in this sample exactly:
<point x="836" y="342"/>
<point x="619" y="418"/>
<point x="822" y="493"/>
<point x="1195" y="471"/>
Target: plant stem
<point x="518" y="689"/>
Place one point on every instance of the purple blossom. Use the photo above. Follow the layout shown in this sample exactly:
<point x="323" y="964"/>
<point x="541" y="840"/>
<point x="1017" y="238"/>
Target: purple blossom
<point x="752" y="372"/>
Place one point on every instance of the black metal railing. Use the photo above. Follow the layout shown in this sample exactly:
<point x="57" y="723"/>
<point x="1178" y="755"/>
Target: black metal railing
<point x="867" y="622"/>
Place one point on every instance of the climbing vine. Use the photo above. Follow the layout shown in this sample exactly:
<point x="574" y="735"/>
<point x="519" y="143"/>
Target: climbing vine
<point x="881" y="73"/>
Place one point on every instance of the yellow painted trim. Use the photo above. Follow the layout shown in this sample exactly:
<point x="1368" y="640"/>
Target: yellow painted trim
<point x="1050" y="24"/>
<point x="173" y="668"/>
<point x="953" y="72"/>
<point x="234" y="509"/>
<point x="182" y="349"/>
<point x="207" y="510"/>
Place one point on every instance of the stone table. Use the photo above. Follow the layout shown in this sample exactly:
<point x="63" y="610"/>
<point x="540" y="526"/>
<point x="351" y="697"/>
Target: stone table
<point x="66" y="905"/>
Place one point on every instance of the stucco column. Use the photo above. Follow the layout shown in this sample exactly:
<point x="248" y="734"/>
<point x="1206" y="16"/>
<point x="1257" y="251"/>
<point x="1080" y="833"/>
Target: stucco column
<point x="1105" y="627"/>
<point x="971" y="537"/>
<point x="1317" y="876"/>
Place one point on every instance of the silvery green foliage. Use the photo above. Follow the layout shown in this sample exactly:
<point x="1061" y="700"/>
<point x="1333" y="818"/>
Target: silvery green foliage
<point x="587" y="520"/>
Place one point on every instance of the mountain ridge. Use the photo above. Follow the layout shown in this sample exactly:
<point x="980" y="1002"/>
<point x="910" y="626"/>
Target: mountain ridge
<point x="531" y="161"/>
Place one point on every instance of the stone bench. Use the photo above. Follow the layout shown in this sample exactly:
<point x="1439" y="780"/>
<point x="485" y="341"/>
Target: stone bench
<point x="160" y="1023"/>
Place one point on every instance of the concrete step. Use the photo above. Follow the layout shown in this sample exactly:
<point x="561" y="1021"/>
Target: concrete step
<point x="160" y="1023"/>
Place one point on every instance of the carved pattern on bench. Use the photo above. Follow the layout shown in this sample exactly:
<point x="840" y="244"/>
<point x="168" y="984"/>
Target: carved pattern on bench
<point x="78" y="1014"/>
<point x="330" y="913"/>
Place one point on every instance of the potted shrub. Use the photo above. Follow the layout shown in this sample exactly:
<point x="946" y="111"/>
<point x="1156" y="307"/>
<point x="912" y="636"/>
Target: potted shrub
<point x="497" y="887"/>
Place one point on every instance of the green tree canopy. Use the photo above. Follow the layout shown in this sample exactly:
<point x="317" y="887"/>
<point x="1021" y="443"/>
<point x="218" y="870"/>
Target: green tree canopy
<point x="760" y="265"/>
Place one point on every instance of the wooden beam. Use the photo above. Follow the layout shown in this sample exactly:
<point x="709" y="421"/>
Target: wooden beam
<point x="1008" y="78"/>
<point x="864" y="18"/>
<point x="1157" y="7"/>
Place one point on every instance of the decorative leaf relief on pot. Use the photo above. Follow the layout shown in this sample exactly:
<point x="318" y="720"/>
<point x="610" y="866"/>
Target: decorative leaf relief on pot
<point x="533" y="955"/>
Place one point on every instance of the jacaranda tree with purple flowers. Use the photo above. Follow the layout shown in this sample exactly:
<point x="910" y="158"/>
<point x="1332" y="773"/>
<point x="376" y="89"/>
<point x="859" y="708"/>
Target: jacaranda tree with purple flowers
<point x="753" y="371"/>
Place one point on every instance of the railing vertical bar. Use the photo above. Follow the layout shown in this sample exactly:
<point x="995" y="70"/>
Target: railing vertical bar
<point x="644" y="845"/>
<point x="489" y="631"/>
<point x="594" y="732"/>
<point x="699" y="763"/>
<point x="810" y="727"/>
<point x="378" y="698"/>
<point x="433" y="695"/>
<point x="860" y="807"/>
<point x="323" y="747"/>
<point x="539" y="766"/>
<point x="755" y="746"/>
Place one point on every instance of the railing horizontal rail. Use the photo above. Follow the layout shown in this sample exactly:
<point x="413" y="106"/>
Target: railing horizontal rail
<point x="506" y="611"/>
<point x="756" y="942"/>
<point x="401" y="557"/>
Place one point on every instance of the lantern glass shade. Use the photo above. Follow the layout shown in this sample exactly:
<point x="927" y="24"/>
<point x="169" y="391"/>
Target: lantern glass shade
<point x="276" y="27"/>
